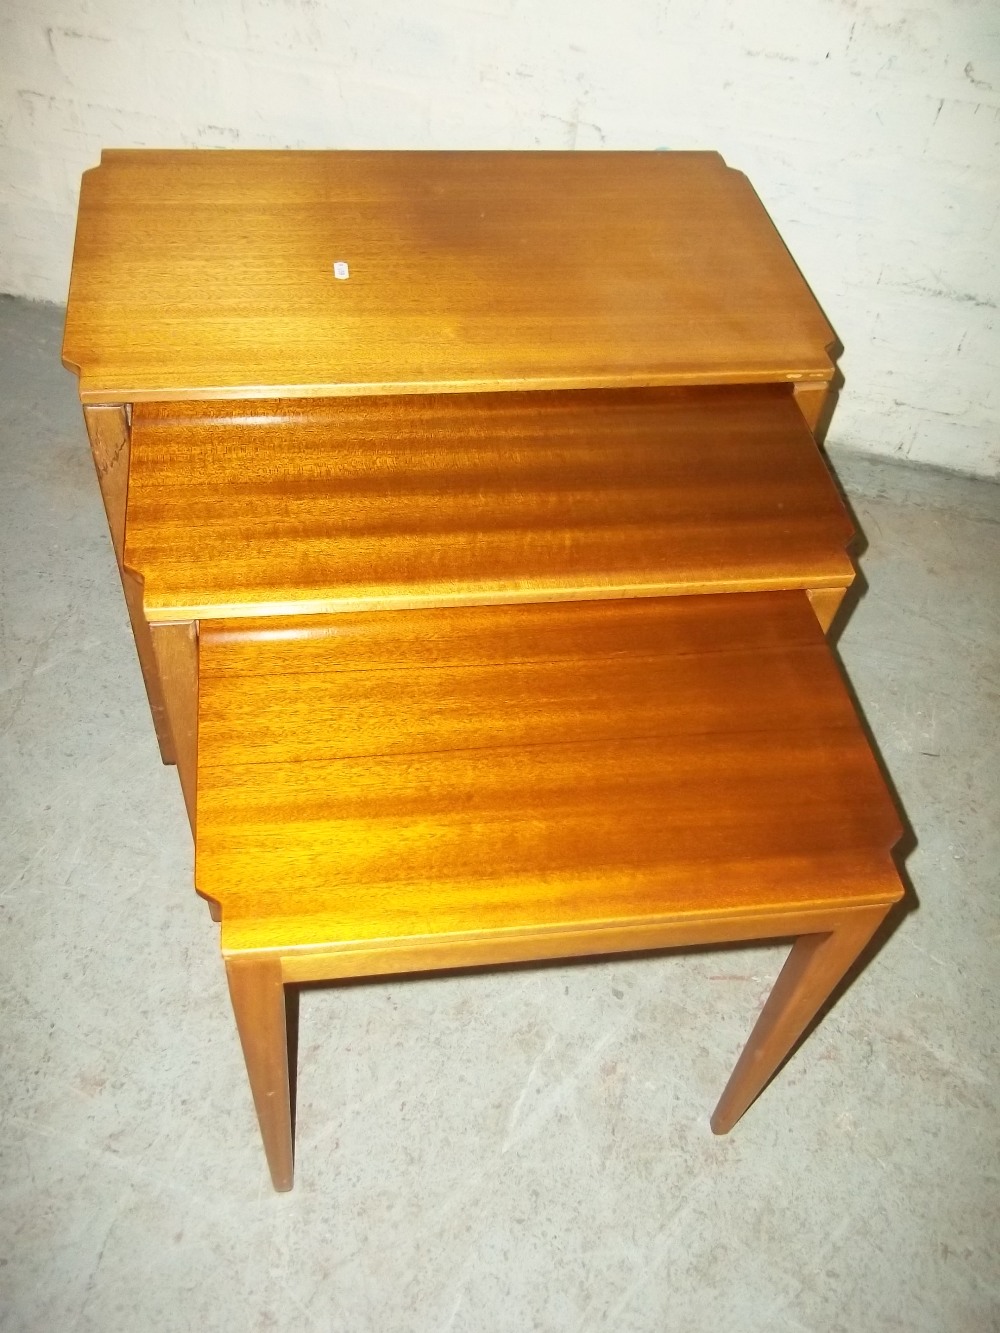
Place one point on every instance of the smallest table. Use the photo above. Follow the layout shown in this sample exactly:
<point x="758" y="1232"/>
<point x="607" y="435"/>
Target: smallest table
<point x="399" y="791"/>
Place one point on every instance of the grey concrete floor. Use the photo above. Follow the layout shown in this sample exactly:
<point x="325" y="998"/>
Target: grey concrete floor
<point x="503" y="1151"/>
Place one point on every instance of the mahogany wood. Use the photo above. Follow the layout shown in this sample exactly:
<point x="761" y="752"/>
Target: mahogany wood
<point x="331" y="505"/>
<point x="826" y="945"/>
<point x="108" y="430"/>
<point x="151" y="222"/>
<point x="110" y="438"/>
<point x="409" y="790"/>
<point x="258" y="996"/>
<point x="811" y="401"/>
<point x="207" y="274"/>
<point x="405" y="626"/>
<point x="826" y="603"/>
<point x="814" y="968"/>
<point x="175" y="648"/>
<point x="558" y="784"/>
<point x="388" y="957"/>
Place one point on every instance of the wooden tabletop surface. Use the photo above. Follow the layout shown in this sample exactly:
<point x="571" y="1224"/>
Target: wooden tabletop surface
<point x="200" y="274"/>
<point x="427" y="500"/>
<point x="558" y="765"/>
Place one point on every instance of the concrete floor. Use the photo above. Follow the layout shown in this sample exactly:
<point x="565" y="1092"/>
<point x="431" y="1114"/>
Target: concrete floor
<point x="516" y="1151"/>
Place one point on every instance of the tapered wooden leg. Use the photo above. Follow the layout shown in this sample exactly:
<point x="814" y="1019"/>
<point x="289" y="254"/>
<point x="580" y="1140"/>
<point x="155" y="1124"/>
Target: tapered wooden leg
<point x="258" y="996"/>
<point x="811" y="972"/>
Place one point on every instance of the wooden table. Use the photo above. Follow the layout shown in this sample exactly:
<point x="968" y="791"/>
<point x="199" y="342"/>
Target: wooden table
<point x="478" y="552"/>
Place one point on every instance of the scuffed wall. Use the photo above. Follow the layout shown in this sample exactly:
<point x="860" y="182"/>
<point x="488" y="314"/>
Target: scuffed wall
<point x="869" y="129"/>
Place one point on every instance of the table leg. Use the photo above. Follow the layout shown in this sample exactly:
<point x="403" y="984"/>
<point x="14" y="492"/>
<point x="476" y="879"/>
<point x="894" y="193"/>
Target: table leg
<point x="108" y="430"/>
<point x="811" y="972"/>
<point x="258" y="995"/>
<point x="132" y="587"/>
<point x="175" y="656"/>
<point x="816" y="403"/>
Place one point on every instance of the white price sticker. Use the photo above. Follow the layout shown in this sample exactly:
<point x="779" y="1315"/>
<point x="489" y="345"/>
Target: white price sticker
<point x="340" y="270"/>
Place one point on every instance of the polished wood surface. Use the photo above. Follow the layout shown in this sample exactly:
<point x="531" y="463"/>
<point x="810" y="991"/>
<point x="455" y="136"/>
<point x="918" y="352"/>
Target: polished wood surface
<point x="323" y="505"/>
<point x="404" y="625"/>
<point x="626" y="760"/>
<point x="421" y="682"/>
<point x="211" y="274"/>
<point x="408" y="790"/>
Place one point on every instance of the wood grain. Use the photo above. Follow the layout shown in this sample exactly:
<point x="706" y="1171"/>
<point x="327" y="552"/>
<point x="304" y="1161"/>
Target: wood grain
<point x="576" y="791"/>
<point x="210" y="274"/>
<point x="423" y="682"/>
<point x="326" y="505"/>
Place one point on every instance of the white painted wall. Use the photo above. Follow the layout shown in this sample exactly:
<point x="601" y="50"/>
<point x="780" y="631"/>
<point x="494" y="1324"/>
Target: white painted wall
<point x="870" y="130"/>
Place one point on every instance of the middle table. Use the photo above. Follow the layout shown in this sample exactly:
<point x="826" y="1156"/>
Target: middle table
<point x="324" y="505"/>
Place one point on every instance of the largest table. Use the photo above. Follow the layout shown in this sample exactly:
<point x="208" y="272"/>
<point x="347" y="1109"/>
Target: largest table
<point x="437" y="477"/>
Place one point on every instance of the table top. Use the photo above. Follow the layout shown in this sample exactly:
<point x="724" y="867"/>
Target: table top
<point x="427" y="500"/>
<point x="477" y="770"/>
<point x="201" y="274"/>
